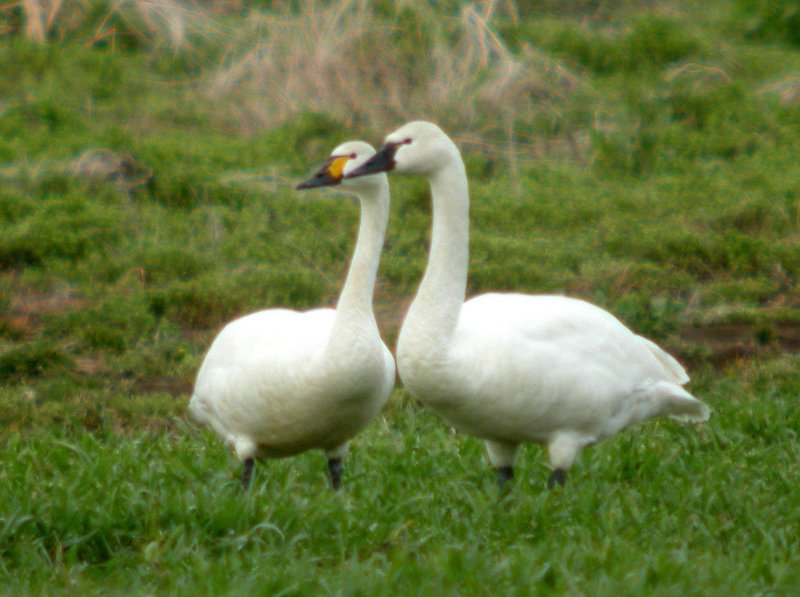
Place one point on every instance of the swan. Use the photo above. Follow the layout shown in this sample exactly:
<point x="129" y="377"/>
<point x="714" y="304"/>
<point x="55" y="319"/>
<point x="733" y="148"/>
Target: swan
<point x="513" y="368"/>
<point x="279" y="382"/>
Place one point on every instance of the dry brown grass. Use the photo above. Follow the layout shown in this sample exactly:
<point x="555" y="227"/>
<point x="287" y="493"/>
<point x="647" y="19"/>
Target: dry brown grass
<point x="698" y="77"/>
<point x="120" y="169"/>
<point x="342" y="59"/>
<point x="787" y="89"/>
<point x="153" y="23"/>
<point x="39" y="17"/>
<point x="95" y="164"/>
<point x="367" y="69"/>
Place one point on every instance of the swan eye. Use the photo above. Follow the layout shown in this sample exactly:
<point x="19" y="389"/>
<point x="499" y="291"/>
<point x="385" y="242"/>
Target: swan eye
<point x="407" y="141"/>
<point x="352" y="156"/>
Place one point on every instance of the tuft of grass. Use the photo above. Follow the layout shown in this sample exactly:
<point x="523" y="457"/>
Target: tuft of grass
<point x="648" y="42"/>
<point x="65" y="228"/>
<point x="128" y="24"/>
<point x="32" y="360"/>
<point x="207" y="301"/>
<point x="777" y="20"/>
<point x="362" y="70"/>
<point x="116" y="325"/>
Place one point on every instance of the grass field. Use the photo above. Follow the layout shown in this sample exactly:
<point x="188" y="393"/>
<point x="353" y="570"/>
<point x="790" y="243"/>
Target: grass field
<point x="643" y="156"/>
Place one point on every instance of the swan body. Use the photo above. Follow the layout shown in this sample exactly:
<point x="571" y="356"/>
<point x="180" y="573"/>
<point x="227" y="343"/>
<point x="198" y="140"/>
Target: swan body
<point x="279" y="382"/>
<point x="514" y="368"/>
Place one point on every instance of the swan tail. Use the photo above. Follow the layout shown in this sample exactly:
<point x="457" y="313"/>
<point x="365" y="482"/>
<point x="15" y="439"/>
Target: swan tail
<point x="673" y="368"/>
<point x="679" y="404"/>
<point x="197" y="410"/>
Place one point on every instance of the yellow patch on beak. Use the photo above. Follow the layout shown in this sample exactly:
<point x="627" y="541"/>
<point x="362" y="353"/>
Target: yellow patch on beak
<point x="336" y="168"/>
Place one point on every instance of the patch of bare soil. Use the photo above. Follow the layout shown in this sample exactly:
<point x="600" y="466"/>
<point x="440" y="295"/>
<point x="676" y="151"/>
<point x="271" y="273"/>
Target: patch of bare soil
<point x="162" y="383"/>
<point x="28" y="306"/>
<point x="731" y="341"/>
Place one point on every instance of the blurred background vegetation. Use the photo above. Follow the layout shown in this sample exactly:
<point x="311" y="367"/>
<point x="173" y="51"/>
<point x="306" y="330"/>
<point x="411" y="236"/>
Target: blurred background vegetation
<point x="642" y="155"/>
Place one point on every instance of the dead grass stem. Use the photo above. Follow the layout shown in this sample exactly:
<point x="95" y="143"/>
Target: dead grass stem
<point x="153" y="23"/>
<point x="345" y="60"/>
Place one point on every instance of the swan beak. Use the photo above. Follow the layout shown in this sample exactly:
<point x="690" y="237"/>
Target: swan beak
<point x="383" y="161"/>
<point x="329" y="175"/>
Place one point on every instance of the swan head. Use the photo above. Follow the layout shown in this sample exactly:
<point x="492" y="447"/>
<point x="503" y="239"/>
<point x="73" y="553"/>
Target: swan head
<point x="343" y="160"/>
<point x="418" y="147"/>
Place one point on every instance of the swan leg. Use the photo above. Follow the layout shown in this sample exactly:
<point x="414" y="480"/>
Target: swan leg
<point x="563" y="449"/>
<point x="559" y="477"/>
<point x="247" y="472"/>
<point x="246" y="451"/>
<point x="335" y="469"/>
<point x="336" y="458"/>
<point x="503" y="456"/>
<point x="504" y="475"/>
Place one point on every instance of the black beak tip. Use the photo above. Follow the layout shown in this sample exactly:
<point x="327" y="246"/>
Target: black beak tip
<point x="320" y="179"/>
<point x="383" y="161"/>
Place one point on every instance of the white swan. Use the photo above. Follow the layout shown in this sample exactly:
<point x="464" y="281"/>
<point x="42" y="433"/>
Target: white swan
<point x="513" y="368"/>
<point x="279" y="382"/>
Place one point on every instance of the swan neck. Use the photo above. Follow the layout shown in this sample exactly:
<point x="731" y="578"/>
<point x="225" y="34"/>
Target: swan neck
<point x="435" y="310"/>
<point x="354" y="312"/>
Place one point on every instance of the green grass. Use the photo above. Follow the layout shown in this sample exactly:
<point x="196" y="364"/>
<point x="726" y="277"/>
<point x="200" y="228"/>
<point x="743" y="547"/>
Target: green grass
<point x="661" y="508"/>
<point x="138" y="215"/>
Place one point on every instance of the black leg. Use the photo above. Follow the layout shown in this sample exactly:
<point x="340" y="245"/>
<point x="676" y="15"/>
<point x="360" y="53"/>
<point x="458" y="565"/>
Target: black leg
<point x="559" y="477"/>
<point x="504" y="475"/>
<point x="247" y="472"/>
<point x="335" y="468"/>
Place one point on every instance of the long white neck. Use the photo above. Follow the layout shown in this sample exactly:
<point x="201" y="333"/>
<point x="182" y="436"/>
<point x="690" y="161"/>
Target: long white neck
<point x="354" y="315"/>
<point x="434" y="313"/>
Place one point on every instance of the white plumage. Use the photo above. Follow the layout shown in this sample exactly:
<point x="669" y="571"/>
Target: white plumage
<point x="279" y="382"/>
<point x="513" y="368"/>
